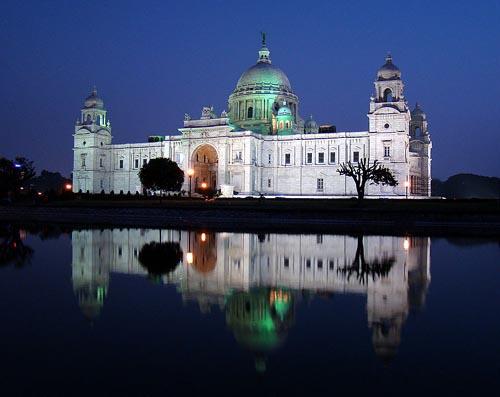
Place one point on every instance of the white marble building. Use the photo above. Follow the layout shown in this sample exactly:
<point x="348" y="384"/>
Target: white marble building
<point x="261" y="145"/>
<point x="227" y="270"/>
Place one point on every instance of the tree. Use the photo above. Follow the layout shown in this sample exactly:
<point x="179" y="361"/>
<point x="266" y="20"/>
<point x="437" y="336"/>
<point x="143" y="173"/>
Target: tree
<point x="12" y="249"/>
<point x="363" y="172"/>
<point x="14" y="174"/>
<point x="162" y="174"/>
<point x="160" y="258"/>
<point x="376" y="269"/>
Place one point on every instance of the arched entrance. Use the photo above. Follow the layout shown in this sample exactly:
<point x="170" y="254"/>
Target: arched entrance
<point x="205" y="164"/>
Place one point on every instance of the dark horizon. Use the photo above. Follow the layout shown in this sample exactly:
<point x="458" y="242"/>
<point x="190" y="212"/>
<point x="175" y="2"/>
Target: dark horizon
<point x="151" y="64"/>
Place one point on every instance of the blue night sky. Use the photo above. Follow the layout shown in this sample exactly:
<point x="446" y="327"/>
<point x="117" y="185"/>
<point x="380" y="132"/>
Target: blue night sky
<point x="154" y="61"/>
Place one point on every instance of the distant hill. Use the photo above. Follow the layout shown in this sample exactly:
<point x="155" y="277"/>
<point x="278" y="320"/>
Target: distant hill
<point x="467" y="186"/>
<point x="47" y="181"/>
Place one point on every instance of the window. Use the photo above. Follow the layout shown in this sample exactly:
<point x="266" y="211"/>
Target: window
<point x="309" y="158"/>
<point x="121" y="163"/>
<point x="355" y="157"/>
<point x="136" y="163"/>
<point x="100" y="162"/>
<point x="388" y="95"/>
<point x="321" y="158"/>
<point x="286" y="262"/>
<point x="269" y="183"/>
<point x="250" y="112"/>
<point x="308" y="263"/>
<point x="238" y="156"/>
<point x="319" y="184"/>
<point x="83" y="161"/>
<point x="320" y="264"/>
<point x="332" y="157"/>
<point x="287" y="158"/>
<point x="319" y="239"/>
<point x="387" y="151"/>
<point x="330" y="265"/>
<point x="269" y="158"/>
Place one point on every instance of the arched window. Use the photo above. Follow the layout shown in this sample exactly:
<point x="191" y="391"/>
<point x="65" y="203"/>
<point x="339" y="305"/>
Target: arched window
<point x="250" y="112"/>
<point x="388" y="95"/>
<point x="281" y="125"/>
<point x="89" y="118"/>
<point x="286" y="124"/>
<point x="418" y="132"/>
<point x="98" y="120"/>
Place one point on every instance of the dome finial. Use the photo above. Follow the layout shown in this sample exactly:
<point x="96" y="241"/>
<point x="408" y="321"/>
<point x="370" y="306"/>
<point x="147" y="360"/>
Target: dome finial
<point x="388" y="58"/>
<point x="94" y="90"/>
<point x="264" y="51"/>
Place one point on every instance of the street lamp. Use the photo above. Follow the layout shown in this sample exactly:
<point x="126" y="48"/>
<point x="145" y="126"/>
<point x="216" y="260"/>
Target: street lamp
<point x="68" y="186"/>
<point x="204" y="185"/>
<point x="407" y="184"/>
<point x="190" y="173"/>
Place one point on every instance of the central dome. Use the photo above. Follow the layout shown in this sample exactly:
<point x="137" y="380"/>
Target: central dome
<point x="258" y="95"/>
<point x="263" y="75"/>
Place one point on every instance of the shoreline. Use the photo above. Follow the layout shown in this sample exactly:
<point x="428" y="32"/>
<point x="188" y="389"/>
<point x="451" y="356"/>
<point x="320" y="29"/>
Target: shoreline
<point x="456" y="218"/>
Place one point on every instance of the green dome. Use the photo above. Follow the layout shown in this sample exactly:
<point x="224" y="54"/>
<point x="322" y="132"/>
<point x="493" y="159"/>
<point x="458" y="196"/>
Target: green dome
<point x="263" y="75"/>
<point x="284" y="111"/>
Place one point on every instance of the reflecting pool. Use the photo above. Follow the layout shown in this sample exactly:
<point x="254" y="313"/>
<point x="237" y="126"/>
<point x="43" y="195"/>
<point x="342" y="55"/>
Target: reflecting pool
<point x="153" y="312"/>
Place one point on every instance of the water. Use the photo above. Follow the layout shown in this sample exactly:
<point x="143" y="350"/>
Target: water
<point x="246" y="314"/>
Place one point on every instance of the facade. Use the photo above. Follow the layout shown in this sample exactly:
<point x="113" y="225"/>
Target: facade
<point x="261" y="145"/>
<point x="259" y="279"/>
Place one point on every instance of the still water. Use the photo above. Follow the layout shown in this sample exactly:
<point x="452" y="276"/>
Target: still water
<point x="156" y="312"/>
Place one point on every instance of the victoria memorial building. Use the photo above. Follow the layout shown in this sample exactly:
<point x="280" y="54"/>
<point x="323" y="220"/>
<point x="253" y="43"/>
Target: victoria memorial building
<point x="261" y="145"/>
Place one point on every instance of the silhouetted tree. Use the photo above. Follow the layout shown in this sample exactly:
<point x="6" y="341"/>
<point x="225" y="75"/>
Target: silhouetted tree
<point x="160" y="258"/>
<point x="363" y="269"/>
<point x="362" y="173"/>
<point x="162" y="174"/>
<point x="14" y="174"/>
<point x="12" y="249"/>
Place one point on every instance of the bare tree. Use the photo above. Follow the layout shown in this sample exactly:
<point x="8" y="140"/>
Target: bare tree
<point x="362" y="173"/>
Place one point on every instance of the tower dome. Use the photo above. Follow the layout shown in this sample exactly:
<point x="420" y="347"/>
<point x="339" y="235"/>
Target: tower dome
<point x="94" y="101"/>
<point x="284" y="111"/>
<point x="418" y="113"/>
<point x="310" y="126"/>
<point x="388" y="71"/>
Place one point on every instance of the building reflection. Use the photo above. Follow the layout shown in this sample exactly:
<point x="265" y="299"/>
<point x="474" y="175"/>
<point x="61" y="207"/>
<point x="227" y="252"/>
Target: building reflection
<point x="259" y="279"/>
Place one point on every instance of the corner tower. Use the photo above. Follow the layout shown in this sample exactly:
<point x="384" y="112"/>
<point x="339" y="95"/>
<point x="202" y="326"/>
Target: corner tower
<point x="388" y="109"/>
<point x="259" y="94"/>
<point x="92" y="137"/>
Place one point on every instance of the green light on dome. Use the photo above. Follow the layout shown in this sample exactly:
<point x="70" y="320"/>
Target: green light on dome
<point x="101" y="293"/>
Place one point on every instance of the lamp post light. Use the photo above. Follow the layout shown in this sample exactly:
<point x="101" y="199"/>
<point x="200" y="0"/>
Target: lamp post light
<point x="407" y="184"/>
<point x="190" y="173"/>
